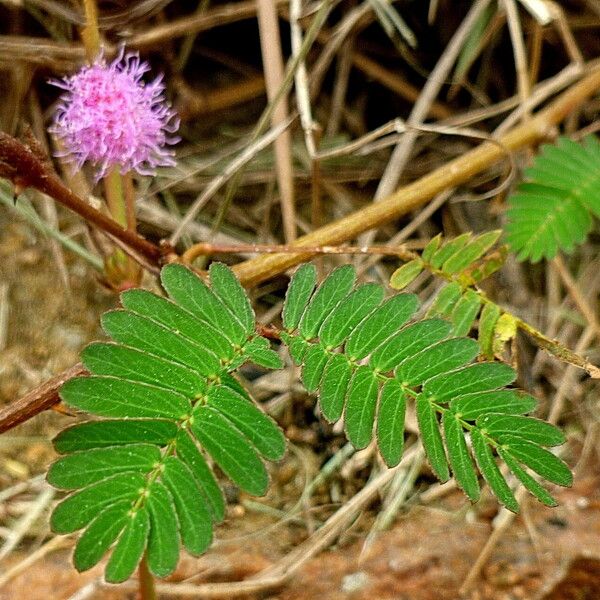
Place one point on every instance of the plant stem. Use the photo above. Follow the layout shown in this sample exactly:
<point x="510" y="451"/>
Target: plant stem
<point x="414" y="195"/>
<point x="113" y="190"/>
<point x="121" y="270"/>
<point x="146" y="580"/>
<point x="90" y="34"/>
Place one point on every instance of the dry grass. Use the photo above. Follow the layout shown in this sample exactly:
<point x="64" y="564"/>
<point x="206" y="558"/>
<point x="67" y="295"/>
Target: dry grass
<point x="370" y="97"/>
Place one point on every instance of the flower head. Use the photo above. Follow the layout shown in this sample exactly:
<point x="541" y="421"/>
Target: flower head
<point x="110" y="117"/>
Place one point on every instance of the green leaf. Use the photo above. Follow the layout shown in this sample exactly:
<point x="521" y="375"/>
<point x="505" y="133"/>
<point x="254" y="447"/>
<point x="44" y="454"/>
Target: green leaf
<point x="390" y="422"/>
<point x="229" y="290"/>
<point x="315" y="359"/>
<point x="192" y="294"/>
<point x="349" y="313"/>
<point x="431" y="247"/>
<point x="296" y="346"/>
<point x="446" y="300"/>
<point x="460" y="459"/>
<point x="473" y="378"/>
<point x="360" y="407"/>
<point x="491" y="472"/>
<point x="84" y="468"/>
<point x="511" y="402"/>
<point x="258" y="350"/>
<point x="112" y="397"/>
<point x="136" y="365"/>
<point x="538" y="459"/>
<point x="464" y="313"/>
<point x="298" y="294"/>
<point x="176" y="319"/>
<point x="334" y="387"/>
<point x="327" y="296"/>
<point x="449" y="249"/>
<point x="432" y="438"/>
<point x="380" y="324"/>
<point x="534" y="430"/>
<point x="100" y="434"/>
<point x="163" y="543"/>
<point x="471" y="252"/>
<point x="406" y="274"/>
<point x="490" y="314"/>
<point x="260" y="429"/>
<point x="439" y="358"/>
<point x="129" y="549"/>
<point x="408" y="341"/>
<point x="100" y="535"/>
<point x="551" y="210"/>
<point x="80" y="508"/>
<point x="144" y="334"/>
<point x="195" y="522"/>
<point x="188" y="452"/>
<point x="526" y="479"/>
<point x="230" y="450"/>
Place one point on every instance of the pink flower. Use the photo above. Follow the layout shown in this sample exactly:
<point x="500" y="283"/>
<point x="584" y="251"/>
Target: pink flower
<point x="110" y="117"/>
